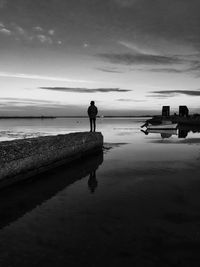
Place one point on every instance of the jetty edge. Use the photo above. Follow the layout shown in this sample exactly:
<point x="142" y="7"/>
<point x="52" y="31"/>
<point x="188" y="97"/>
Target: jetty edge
<point x="23" y="158"/>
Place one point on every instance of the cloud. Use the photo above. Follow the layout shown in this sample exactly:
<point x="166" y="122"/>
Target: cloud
<point x="17" y="99"/>
<point x="38" y="29"/>
<point x="137" y="49"/>
<point x="15" y="31"/>
<point x="35" y="34"/>
<point x="11" y="106"/>
<point x="44" y="39"/>
<point x="158" y="96"/>
<point x="168" y="70"/>
<point x="139" y="59"/>
<point x="39" y="77"/>
<point x="109" y="70"/>
<point x="23" y="102"/>
<point x="5" y="31"/>
<point x="188" y="65"/>
<point x="86" y="45"/>
<point x="194" y="66"/>
<point x="51" y="32"/>
<point x="85" y="90"/>
<point x="166" y="25"/>
<point x="19" y="30"/>
<point x="148" y="56"/>
<point x="170" y="93"/>
<point x="130" y="100"/>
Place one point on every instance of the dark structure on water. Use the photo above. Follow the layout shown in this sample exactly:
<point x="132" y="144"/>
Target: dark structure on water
<point x="183" y="117"/>
<point x="183" y="111"/>
<point x="166" y="111"/>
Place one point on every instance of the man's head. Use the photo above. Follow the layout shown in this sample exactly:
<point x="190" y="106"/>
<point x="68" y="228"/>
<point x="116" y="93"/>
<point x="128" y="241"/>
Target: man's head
<point x="92" y="103"/>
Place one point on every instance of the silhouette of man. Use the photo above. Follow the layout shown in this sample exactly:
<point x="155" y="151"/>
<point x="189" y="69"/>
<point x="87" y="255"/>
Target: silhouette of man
<point x="92" y="113"/>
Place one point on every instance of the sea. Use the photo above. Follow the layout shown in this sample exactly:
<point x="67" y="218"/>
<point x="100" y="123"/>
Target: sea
<point x="135" y="204"/>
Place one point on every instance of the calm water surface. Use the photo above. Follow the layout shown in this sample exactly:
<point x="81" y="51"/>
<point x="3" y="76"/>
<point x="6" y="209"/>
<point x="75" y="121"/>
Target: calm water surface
<point x="137" y="204"/>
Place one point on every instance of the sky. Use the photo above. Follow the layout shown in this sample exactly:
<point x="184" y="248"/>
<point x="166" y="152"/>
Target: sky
<point x="130" y="56"/>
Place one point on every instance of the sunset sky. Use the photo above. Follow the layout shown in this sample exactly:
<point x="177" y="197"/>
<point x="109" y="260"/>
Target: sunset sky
<point x="129" y="56"/>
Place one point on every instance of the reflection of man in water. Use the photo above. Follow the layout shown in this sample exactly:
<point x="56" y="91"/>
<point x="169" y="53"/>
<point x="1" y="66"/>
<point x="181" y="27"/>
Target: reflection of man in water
<point x="92" y="182"/>
<point x="92" y="113"/>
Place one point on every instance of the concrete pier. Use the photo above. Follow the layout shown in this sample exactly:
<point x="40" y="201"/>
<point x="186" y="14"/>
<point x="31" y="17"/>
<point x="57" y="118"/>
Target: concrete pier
<point x="20" y="159"/>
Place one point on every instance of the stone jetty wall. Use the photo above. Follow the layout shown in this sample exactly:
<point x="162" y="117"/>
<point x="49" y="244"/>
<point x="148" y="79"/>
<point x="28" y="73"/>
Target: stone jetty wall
<point x="20" y="159"/>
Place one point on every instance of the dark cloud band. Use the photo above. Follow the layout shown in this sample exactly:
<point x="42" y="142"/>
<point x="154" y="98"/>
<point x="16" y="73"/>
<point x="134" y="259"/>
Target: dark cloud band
<point x="85" y="90"/>
<point x="130" y="59"/>
<point x="130" y="100"/>
<point x="109" y="70"/>
<point x="168" y="93"/>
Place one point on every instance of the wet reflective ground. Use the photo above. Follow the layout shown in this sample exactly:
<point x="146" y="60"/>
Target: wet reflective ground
<point x="137" y="204"/>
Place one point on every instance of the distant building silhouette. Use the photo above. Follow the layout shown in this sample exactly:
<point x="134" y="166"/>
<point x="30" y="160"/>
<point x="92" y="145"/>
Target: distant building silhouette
<point x="166" y="111"/>
<point x="183" y="111"/>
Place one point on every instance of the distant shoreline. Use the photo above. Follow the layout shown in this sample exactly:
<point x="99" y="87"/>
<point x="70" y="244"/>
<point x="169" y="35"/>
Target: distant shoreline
<point x="55" y="117"/>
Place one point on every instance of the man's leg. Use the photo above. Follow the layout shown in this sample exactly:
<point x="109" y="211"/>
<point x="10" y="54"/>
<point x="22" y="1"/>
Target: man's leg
<point x="94" y="122"/>
<point x="90" y="125"/>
